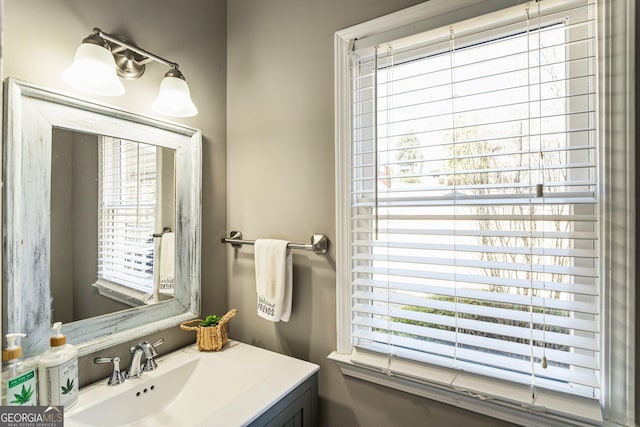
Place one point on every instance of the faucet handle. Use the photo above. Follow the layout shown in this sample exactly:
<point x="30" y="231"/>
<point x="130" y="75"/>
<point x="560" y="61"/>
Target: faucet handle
<point x="150" y="364"/>
<point x="116" y="376"/>
<point x="150" y="349"/>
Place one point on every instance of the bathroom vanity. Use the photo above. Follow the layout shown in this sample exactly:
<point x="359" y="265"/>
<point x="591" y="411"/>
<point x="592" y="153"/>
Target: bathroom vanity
<point x="241" y="385"/>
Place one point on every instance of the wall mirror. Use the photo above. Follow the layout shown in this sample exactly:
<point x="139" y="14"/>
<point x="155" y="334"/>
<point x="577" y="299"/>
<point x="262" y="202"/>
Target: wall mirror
<point x="101" y="217"/>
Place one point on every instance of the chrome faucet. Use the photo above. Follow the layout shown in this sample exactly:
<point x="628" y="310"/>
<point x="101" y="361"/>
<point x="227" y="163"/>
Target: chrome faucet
<point x="136" y="369"/>
<point x="116" y="376"/>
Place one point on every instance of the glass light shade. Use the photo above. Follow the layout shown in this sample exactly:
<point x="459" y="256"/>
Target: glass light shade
<point x="94" y="70"/>
<point x="174" y="98"/>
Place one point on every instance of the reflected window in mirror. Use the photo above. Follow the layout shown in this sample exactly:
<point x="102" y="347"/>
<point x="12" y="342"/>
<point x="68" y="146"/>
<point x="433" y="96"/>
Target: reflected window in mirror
<point x="110" y="197"/>
<point x="128" y="218"/>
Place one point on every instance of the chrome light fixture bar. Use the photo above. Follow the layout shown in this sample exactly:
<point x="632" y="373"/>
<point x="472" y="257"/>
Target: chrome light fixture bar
<point x="102" y="57"/>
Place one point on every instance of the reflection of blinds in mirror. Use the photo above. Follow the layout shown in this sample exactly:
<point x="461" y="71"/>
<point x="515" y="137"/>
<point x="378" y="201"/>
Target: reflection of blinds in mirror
<point x="127" y="213"/>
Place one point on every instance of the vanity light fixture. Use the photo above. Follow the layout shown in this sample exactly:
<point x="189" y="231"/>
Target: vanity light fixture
<point x="174" y="98"/>
<point x="102" y="57"/>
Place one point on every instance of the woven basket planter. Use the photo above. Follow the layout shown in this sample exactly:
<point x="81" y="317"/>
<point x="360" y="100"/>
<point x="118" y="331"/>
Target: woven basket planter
<point x="210" y="338"/>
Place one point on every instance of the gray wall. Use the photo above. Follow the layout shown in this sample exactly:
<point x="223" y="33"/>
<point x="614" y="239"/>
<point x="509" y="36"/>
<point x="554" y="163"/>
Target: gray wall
<point x="280" y="184"/>
<point x="637" y="95"/>
<point x="39" y="41"/>
<point x="84" y="237"/>
<point x="74" y="228"/>
<point x="61" y="258"/>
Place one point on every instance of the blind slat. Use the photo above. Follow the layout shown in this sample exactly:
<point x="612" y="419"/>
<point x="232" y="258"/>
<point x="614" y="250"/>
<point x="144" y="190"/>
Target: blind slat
<point x="536" y="317"/>
<point x="573" y="252"/>
<point x="488" y="310"/>
<point x="426" y="232"/>
<point x="410" y="262"/>
<point x="430" y="288"/>
<point x="515" y="217"/>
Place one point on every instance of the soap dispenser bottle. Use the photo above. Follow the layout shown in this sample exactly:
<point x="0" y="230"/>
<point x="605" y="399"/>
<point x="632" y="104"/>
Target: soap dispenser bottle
<point x="58" y="372"/>
<point x="19" y="376"/>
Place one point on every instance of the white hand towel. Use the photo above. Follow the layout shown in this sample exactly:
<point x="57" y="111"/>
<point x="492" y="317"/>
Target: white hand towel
<point x="167" y="261"/>
<point x="274" y="279"/>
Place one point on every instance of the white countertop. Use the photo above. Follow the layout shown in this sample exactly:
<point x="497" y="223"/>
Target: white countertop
<point x="280" y="375"/>
<point x="231" y="387"/>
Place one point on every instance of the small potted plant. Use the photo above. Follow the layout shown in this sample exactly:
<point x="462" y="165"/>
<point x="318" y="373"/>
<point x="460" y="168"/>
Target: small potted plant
<point x="211" y="333"/>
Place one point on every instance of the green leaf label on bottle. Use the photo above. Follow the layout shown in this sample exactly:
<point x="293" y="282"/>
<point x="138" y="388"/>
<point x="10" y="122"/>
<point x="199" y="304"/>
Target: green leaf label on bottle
<point x="62" y="383"/>
<point x="22" y="378"/>
<point x="22" y="390"/>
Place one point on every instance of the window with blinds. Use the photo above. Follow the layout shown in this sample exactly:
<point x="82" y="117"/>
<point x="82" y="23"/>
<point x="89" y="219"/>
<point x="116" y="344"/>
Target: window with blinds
<point x="474" y="198"/>
<point x="127" y="210"/>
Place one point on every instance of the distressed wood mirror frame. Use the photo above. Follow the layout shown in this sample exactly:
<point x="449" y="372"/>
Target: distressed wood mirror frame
<point x="31" y="112"/>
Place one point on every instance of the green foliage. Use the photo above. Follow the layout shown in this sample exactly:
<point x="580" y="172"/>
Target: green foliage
<point x="211" y="320"/>
<point x="411" y="157"/>
<point x="24" y="396"/>
<point x="68" y="388"/>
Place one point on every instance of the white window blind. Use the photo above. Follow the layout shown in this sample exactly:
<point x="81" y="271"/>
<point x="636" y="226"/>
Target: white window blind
<point x="127" y="195"/>
<point x="474" y="198"/>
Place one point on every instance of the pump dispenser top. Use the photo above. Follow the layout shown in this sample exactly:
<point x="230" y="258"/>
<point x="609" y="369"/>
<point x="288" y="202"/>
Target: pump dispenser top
<point x="13" y="350"/>
<point x="59" y="338"/>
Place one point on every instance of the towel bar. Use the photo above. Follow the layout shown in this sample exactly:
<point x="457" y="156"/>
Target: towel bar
<point x="319" y="242"/>
<point x="164" y="230"/>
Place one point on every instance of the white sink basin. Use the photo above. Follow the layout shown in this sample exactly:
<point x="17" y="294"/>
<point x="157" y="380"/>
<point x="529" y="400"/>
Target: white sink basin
<point x="192" y="388"/>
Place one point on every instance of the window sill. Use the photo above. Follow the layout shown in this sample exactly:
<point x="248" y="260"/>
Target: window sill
<point x="494" y="398"/>
<point x="123" y="294"/>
